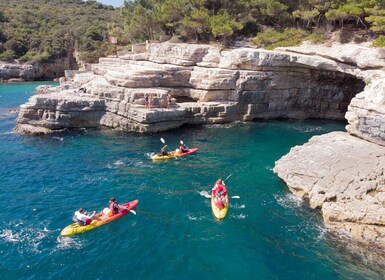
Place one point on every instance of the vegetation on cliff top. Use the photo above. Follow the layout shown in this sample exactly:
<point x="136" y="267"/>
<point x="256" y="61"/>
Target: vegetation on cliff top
<point x="280" y="21"/>
<point x="42" y="30"/>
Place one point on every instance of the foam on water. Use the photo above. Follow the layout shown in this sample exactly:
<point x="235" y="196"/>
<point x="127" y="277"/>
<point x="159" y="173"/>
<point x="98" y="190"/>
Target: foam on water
<point x="289" y="201"/>
<point x="67" y="242"/>
<point x="205" y="194"/>
<point x="238" y="216"/>
<point x="238" y="206"/>
<point x="27" y="238"/>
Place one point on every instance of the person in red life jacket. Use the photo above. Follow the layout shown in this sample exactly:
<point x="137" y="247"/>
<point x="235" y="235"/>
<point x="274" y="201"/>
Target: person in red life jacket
<point x="183" y="149"/>
<point x="219" y="192"/>
<point x="115" y="207"/>
<point x="83" y="218"/>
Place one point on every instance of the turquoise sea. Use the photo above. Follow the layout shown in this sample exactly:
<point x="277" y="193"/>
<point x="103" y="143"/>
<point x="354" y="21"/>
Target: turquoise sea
<point x="267" y="234"/>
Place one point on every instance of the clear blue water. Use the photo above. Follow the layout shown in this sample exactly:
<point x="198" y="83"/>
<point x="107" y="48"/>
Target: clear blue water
<point x="268" y="233"/>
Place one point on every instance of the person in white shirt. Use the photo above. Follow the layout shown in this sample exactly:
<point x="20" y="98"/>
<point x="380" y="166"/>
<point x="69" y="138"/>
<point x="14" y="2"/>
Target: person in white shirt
<point x="83" y="218"/>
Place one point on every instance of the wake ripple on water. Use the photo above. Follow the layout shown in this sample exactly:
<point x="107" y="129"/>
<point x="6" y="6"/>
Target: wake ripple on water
<point x="125" y="162"/>
<point x="205" y="194"/>
<point x="193" y="218"/>
<point x="289" y="201"/>
<point x="239" y="216"/>
<point x="66" y="242"/>
<point x="28" y="239"/>
<point x="237" y="206"/>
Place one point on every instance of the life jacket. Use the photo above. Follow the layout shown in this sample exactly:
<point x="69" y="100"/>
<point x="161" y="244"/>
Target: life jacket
<point x="219" y="204"/>
<point x="183" y="149"/>
<point x="220" y="190"/>
<point x="114" y="207"/>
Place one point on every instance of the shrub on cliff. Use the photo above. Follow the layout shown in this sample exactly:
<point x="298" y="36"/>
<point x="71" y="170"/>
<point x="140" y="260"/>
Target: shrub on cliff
<point x="379" y="42"/>
<point x="271" y="38"/>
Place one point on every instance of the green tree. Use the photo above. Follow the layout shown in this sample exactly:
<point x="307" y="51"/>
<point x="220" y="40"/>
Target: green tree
<point x="223" y="26"/>
<point x="197" y="24"/>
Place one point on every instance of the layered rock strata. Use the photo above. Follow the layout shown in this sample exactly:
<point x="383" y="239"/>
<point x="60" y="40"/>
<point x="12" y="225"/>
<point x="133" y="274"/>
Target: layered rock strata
<point x="342" y="173"/>
<point x="344" y="177"/>
<point x="20" y="72"/>
<point x="194" y="84"/>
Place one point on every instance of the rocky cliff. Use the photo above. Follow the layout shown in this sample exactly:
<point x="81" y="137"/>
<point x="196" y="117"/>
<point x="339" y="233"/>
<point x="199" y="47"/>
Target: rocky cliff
<point x="194" y="84"/>
<point x="32" y="72"/>
<point x="340" y="173"/>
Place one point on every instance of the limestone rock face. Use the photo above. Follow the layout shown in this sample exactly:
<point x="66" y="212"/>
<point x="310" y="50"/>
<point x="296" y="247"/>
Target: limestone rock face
<point x="29" y="72"/>
<point x="9" y="71"/>
<point x="344" y="177"/>
<point x="182" y="77"/>
<point x="342" y="173"/>
<point x="366" y="114"/>
<point x="361" y="56"/>
<point x="59" y="111"/>
<point x="178" y="54"/>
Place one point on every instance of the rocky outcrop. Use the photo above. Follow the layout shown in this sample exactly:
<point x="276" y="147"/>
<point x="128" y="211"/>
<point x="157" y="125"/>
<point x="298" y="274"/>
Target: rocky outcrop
<point x="31" y="72"/>
<point x="15" y="71"/>
<point x="197" y="84"/>
<point x="342" y="173"/>
<point x="344" y="177"/>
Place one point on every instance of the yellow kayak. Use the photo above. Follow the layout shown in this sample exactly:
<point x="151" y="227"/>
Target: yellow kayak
<point x="220" y="213"/>
<point x="174" y="154"/>
<point x="98" y="220"/>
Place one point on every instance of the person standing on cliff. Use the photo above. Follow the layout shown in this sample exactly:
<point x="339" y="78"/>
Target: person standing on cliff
<point x="146" y="100"/>
<point x="150" y="100"/>
<point x="169" y="101"/>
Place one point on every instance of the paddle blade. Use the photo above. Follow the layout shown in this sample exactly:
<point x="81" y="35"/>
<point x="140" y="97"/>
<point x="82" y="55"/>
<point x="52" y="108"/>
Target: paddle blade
<point x="181" y="142"/>
<point x="235" y="196"/>
<point x="133" y="212"/>
<point x="162" y="140"/>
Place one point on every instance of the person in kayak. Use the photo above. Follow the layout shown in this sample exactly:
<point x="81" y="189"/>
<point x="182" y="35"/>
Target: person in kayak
<point x="183" y="149"/>
<point x="219" y="191"/>
<point x="163" y="151"/>
<point x="83" y="218"/>
<point x="115" y="207"/>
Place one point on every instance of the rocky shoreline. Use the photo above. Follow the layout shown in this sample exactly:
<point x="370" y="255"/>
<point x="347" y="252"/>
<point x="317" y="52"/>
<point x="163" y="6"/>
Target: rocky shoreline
<point x="340" y="173"/>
